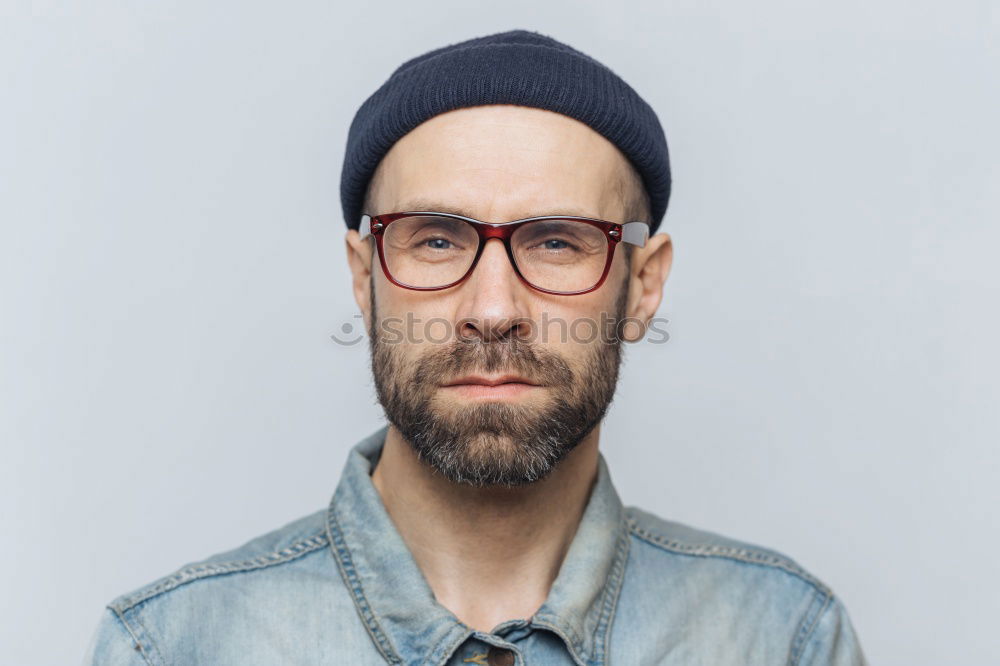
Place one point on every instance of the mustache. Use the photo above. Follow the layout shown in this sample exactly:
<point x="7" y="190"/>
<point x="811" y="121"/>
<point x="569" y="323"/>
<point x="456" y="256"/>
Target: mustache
<point x="464" y="357"/>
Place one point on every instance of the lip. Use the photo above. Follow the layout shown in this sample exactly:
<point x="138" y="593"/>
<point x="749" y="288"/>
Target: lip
<point x="478" y="380"/>
<point x="477" y="388"/>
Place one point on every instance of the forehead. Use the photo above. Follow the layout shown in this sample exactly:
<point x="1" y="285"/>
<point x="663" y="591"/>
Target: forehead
<point x="503" y="162"/>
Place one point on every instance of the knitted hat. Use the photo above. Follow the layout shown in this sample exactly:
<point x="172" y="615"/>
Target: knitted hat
<point x="519" y="67"/>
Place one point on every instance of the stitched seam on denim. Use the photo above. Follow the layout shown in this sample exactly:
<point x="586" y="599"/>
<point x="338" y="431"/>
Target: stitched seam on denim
<point x="135" y="637"/>
<point x="575" y="649"/>
<point x="806" y="628"/>
<point x="345" y="563"/>
<point x="567" y="634"/>
<point x="612" y="594"/>
<point x="184" y="576"/>
<point x="739" y="554"/>
<point x="439" y="658"/>
<point x="444" y="656"/>
<point x="149" y="638"/>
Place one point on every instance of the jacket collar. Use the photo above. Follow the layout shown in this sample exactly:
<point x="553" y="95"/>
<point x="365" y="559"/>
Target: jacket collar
<point x="397" y="606"/>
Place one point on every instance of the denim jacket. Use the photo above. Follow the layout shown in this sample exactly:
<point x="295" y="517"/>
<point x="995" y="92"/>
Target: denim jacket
<point x="339" y="586"/>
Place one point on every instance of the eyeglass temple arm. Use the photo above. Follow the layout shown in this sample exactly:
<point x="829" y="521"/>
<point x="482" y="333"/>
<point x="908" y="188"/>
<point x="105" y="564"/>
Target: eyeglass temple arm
<point x="634" y="233"/>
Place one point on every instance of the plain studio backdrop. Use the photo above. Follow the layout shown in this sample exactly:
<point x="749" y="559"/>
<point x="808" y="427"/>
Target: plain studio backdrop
<point x="173" y="268"/>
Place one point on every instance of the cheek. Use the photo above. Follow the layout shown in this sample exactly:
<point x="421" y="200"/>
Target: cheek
<point x="575" y="332"/>
<point x="412" y="322"/>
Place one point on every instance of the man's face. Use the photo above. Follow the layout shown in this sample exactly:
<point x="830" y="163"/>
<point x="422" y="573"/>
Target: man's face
<point x="437" y="355"/>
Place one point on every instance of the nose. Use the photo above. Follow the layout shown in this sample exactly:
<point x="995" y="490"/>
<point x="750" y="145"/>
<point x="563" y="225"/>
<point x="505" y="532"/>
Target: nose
<point x="494" y="301"/>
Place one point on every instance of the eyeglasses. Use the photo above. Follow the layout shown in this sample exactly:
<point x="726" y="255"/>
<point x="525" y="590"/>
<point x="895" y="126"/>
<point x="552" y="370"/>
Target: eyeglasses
<point x="566" y="255"/>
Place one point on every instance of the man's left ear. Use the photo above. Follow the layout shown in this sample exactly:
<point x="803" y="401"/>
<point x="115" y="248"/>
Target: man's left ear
<point x="650" y="268"/>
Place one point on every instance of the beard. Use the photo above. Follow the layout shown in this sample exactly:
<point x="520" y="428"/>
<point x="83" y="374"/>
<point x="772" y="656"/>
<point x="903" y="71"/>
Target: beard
<point x="495" y="443"/>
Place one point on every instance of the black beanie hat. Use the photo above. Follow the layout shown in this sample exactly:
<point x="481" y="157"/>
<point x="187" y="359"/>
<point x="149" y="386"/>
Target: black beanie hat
<point x="516" y="67"/>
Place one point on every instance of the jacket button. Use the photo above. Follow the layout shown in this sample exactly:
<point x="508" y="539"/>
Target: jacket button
<point x="500" y="657"/>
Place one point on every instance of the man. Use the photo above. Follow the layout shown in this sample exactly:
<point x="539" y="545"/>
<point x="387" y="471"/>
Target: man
<point x="506" y="188"/>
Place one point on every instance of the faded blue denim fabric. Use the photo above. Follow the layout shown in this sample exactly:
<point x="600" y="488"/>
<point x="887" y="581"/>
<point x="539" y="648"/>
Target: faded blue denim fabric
<point x="339" y="586"/>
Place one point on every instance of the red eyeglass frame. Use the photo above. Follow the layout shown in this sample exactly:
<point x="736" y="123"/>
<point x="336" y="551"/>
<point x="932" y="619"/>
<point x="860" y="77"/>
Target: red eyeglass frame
<point x="634" y="233"/>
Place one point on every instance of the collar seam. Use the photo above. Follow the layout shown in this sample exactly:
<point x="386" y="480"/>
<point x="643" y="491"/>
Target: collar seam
<point x="576" y="646"/>
<point x="598" y="654"/>
<point x="612" y="593"/>
<point x="443" y="656"/>
<point x="345" y="563"/>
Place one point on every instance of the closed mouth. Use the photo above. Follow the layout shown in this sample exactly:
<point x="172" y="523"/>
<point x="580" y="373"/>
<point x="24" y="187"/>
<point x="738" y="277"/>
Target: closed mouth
<point x="490" y="381"/>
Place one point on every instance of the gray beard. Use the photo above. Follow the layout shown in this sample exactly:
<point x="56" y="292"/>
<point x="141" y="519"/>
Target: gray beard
<point x="494" y="443"/>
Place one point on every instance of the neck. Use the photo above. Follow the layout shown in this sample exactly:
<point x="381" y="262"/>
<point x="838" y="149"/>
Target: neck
<point x="489" y="554"/>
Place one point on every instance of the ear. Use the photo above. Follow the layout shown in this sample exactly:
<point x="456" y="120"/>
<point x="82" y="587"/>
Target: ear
<point x="650" y="268"/>
<point x="360" y="254"/>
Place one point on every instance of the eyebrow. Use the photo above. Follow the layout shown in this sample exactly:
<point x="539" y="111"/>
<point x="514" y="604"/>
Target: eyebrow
<point x="439" y="207"/>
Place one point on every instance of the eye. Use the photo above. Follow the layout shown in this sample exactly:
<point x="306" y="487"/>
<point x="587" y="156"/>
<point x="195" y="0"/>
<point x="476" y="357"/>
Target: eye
<point x="556" y="244"/>
<point x="438" y="243"/>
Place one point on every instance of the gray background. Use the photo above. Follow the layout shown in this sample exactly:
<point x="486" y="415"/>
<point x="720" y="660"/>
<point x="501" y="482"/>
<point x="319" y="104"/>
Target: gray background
<point x="172" y="265"/>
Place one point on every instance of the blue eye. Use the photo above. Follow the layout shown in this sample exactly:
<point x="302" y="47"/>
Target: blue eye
<point x="439" y="243"/>
<point x="555" y="244"/>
